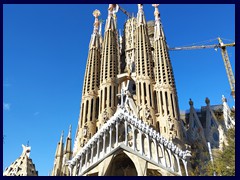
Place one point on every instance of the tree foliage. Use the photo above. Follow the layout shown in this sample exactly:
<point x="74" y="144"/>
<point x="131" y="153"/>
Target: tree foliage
<point x="224" y="161"/>
<point x="198" y="159"/>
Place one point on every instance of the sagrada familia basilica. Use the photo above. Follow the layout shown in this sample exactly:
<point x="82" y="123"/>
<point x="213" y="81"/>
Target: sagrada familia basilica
<point x="130" y="123"/>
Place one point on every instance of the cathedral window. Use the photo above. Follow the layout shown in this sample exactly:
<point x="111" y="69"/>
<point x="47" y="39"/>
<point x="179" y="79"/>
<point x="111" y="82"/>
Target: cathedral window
<point x="144" y="89"/>
<point x="140" y="95"/>
<point x="91" y="110"/>
<point x="158" y="126"/>
<point x="97" y="107"/>
<point x="86" y="111"/>
<point x="110" y="96"/>
<point x="101" y="101"/>
<point x="167" y="104"/>
<point x="172" y="105"/>
<point x="161" y="97"/>
<point x="105" y="100"/>
<point x="150" y="94"/>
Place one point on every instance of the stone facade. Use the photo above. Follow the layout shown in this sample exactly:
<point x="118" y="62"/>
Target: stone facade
<point x="23" y="166"/>
<point x="129" y="82"/>
<point x="129" y="122"/>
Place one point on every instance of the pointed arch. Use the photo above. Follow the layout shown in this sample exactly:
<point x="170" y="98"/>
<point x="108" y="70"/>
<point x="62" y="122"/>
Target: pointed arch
<point x="121" y="165"/>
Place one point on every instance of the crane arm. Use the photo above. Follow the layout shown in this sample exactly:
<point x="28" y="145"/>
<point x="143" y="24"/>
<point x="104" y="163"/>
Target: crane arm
<point x="225" y="57"/>
<point x="124" y="11"/>
<point x="227" y="65"/>
<point x="194" y="47"/>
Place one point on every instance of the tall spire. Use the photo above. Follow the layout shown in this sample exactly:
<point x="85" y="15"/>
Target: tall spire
<point x="144" y="69"/>
<point x="58" y="157"/>
<point x="67" y="153"/>
<point x="89" y="105"/>
<point x="165" y="89"/>
<point x="109" y="69"/>
<point x="95" y="39"/>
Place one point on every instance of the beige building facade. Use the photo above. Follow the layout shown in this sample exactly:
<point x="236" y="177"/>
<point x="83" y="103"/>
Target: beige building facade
<point x="22" y="166"/>
<point x="129" y="122"/>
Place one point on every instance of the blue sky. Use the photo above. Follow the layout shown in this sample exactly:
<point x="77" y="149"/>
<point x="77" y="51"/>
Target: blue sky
<point x="45" y="49"/>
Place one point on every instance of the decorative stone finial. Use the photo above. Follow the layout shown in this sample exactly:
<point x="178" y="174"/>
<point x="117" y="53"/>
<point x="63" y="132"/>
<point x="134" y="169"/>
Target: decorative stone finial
<point x="70" y="130"/>
<point x="61" y="139"/>
<point x="140" y="7"/>
<point x="207" y="101"/>
<point x="26" y="150"/>
<point x="110" y="8"/>
<point x="190" y="102"/>
<point x="156" y="12"/>
<point x="224" y="99"/>
<point x="140" y="15"/>
<point x="155" y="5"/>
<point x="96" y="14"/>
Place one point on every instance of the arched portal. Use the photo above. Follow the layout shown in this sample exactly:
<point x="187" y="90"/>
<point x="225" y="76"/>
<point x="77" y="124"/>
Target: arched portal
<point x="121" y="165"/>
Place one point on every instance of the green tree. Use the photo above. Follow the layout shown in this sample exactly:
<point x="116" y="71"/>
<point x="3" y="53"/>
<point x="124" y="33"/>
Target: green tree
<point x="198" y="159"/>
<point x="224" y="161"/>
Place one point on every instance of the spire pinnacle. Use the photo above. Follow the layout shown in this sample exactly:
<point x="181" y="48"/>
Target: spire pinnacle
<point x="70" y="131"/>
<point x="120" y="35"/>
<point x="224" y="99"/>
<point x="61" y="139"/>
<point x="140" y="15"/>
<point x="158" y="31"/>
<point x="190" y="102"/>
<point x="156" y="12"/>
<point x="96" y="14"/>
<point x="100" y="27"/>
<point x="110" y="9"/>
<point x="111" y="20"/>
<point x="207" y="101"/>
<point x="26" y="150"/>
<point x="140" y="8"/>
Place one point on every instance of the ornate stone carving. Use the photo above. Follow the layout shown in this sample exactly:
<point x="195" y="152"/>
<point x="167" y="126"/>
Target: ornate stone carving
<point x="186" y="154"/>
<point x="85" y="131"/>
<point x="105" y="115"/>
<point x="170" y="123"/>
<point x="121" y="116"/>
<point x="147" y="112"/>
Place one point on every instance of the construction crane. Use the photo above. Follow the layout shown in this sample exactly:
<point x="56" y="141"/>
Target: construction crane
<point x="125" y="12"/>
<point x="225" y="57"/>
<point x="116" y="7"/>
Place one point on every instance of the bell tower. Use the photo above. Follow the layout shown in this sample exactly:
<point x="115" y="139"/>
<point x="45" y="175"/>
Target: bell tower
<point x="90" y="100"/>
<point x="167" y="110"/>
<point x="109" y="69"/>
<point x="144" y="69"/>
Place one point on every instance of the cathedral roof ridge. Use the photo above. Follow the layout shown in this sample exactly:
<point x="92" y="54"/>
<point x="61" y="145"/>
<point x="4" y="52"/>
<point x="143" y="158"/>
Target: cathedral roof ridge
<point x="123" y="114"/>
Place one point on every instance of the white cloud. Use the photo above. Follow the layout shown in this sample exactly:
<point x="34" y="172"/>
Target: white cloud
<point x="6" y="106"/>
